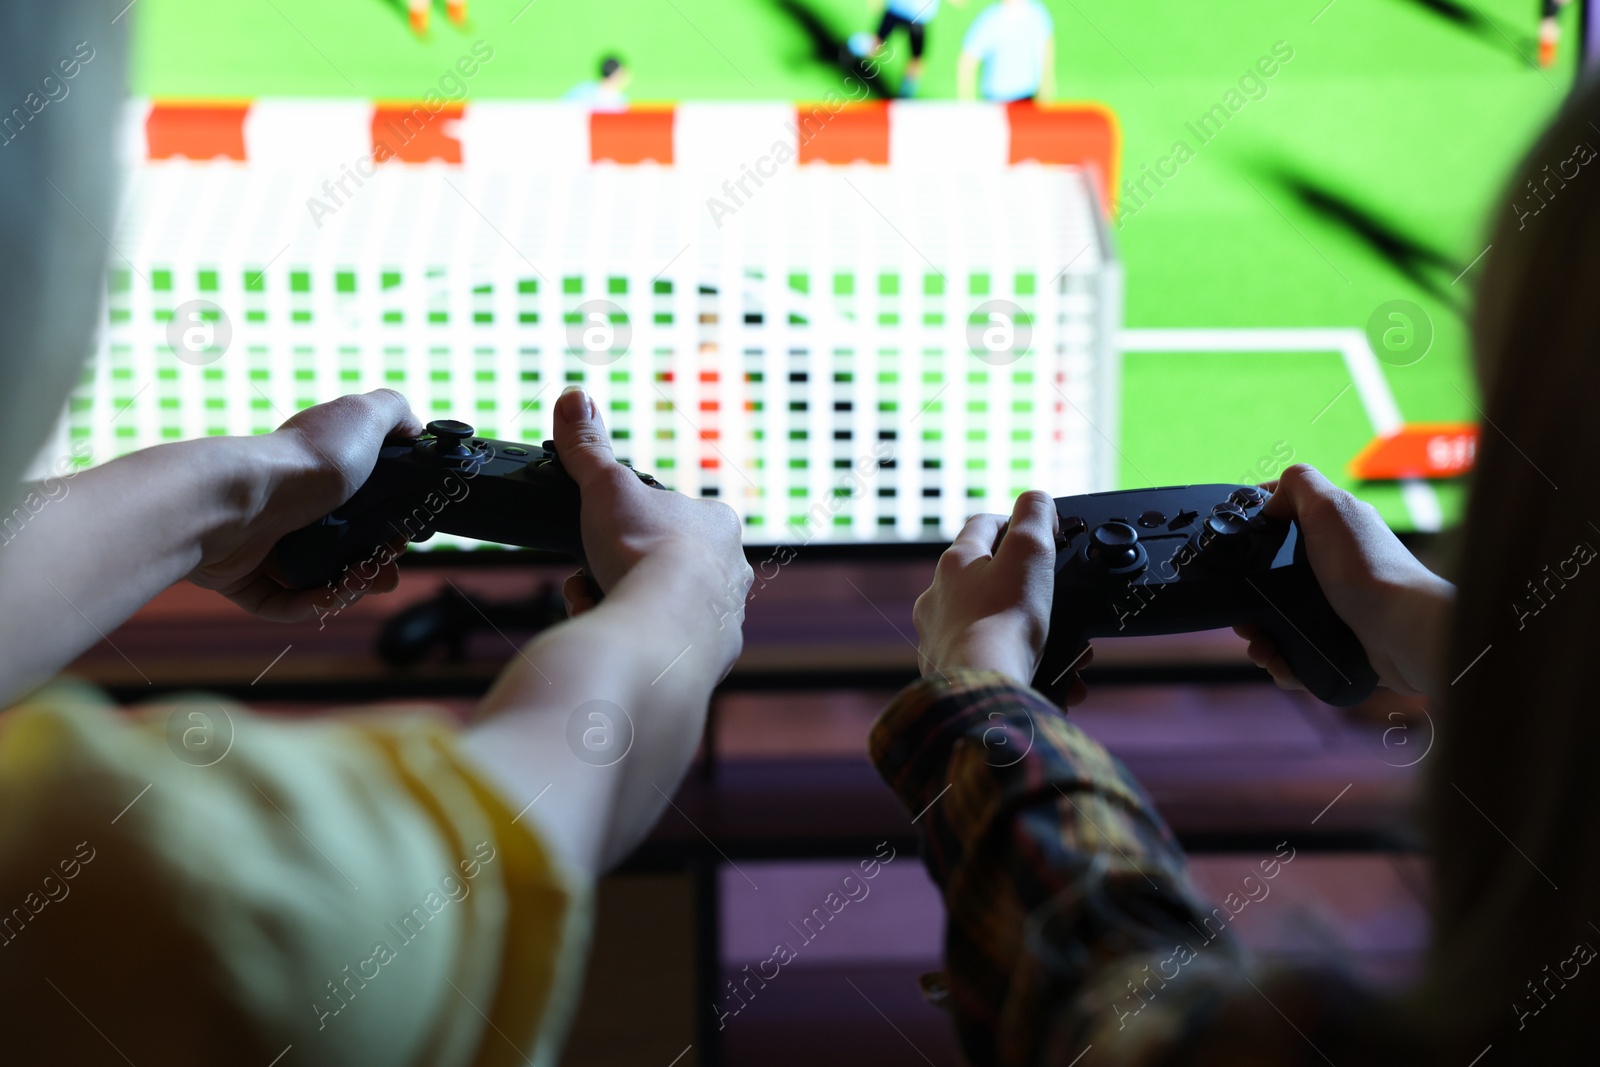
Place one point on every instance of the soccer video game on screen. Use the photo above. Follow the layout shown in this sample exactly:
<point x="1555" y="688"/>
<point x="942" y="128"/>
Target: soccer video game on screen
<point x="858" y="269"/>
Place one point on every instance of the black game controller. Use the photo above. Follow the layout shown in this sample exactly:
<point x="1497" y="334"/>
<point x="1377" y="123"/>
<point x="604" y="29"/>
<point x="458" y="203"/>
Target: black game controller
<point x="446" y="482"/>
<point x="1194" y="557"/>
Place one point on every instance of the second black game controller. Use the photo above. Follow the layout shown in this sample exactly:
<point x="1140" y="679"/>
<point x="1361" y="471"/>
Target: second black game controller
<point x="449" y="481"/>
<point x="1194" y="557"/>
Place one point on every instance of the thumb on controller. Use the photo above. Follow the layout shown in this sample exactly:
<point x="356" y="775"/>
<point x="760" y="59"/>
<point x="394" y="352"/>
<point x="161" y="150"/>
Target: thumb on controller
<point x="581" y="439"/>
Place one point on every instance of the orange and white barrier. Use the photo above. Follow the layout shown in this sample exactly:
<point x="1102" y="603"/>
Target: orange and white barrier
<point x="696" y="135"/>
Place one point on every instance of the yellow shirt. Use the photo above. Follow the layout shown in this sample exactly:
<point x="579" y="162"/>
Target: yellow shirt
<point x="198" y="885"/>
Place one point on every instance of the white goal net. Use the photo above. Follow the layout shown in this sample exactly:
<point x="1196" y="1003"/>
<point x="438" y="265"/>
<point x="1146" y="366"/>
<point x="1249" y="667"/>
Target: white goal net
<point x="849" y="353"/>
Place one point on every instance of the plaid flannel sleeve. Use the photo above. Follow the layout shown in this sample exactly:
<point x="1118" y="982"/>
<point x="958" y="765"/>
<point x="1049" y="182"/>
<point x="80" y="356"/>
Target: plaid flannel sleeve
<point x="1072" y="923"/>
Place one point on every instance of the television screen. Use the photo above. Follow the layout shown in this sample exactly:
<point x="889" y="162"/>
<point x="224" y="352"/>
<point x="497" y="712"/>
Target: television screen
<point x="800" y="270"/>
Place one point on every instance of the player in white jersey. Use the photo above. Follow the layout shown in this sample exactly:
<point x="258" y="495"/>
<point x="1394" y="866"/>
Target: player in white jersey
<point x="1012" y="44"/>
<point x="607" y="94"/>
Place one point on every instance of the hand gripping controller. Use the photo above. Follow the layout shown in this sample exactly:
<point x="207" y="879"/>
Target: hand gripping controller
<point x="1194" y="557"/>
<point x="448" y="481"/>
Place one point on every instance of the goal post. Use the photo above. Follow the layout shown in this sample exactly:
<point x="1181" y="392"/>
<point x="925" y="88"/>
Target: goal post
<point x="862" y="349"/>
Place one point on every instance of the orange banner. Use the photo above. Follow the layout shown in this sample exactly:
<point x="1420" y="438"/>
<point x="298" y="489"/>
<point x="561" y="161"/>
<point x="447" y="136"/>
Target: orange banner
<point x="1421" y="450"/>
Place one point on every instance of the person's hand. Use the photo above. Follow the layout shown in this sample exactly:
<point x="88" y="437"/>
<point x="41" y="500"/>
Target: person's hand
<point x="291" y="478"/>
<point x="1398" y="609"/>
<point x="989" y="606"/>
<point x="625" y="522"/>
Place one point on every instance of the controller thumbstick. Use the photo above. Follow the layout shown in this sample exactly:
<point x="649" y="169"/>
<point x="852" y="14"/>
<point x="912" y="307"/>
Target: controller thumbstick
<point x="1113" y="545"/>
<point x="1247" y="496"/>
<point x="1225" y="533"/>
<point x="453" y="438"/>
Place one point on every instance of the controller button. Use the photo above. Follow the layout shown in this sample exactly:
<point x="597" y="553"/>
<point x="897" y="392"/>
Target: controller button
<point x="1183" y="518"/>
<point x="1113" y="544"/>
<point x="1247" y="497"/>
<point x="1072" y="526"/>
<point x="1151" y="519"/>
<point x="516" y="451"/>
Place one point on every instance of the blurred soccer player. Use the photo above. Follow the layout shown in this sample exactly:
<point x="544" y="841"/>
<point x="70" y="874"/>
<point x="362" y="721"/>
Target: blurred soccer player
<point x="1549" y="31"/>
<point x="607" y="94"/>
<point x="914" y="16"/>
<point x="1013" y="41"/>
<point x="420" y="9"/>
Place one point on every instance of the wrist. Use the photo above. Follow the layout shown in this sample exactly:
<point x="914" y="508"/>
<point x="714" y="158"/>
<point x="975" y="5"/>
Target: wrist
<point x="688" y="568"/>
<point x="290" y="481"/>
<point x="978" y="651"/>
<point x="1417" y="629"/>
<point x="687" y="589"/>
<point x="249" y="487"/>
<point x="228" y="482"/>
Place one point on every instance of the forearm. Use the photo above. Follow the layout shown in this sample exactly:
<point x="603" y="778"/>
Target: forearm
<point x="980" y="732"/>
<point x="1072" y="921"/>
<point x="1040" y="827"/>
<point x="81" y="554"/>
<point x="645" y="660"/>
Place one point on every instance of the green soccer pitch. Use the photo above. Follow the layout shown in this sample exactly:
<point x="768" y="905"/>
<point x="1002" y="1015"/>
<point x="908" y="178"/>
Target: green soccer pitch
<point x="1388" y="120"/>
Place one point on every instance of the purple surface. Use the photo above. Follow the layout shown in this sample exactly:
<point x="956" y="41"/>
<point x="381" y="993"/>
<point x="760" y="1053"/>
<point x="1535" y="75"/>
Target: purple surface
<point x="898" y="917"/>
<point x="850" y="994"/>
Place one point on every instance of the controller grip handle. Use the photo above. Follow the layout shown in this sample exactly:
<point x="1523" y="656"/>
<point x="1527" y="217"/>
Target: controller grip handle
<point x="317" y="555"/>
<point x="305" y="556"/>
<point x="1334" y="667"/>
<point x="1054" y="677"/>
